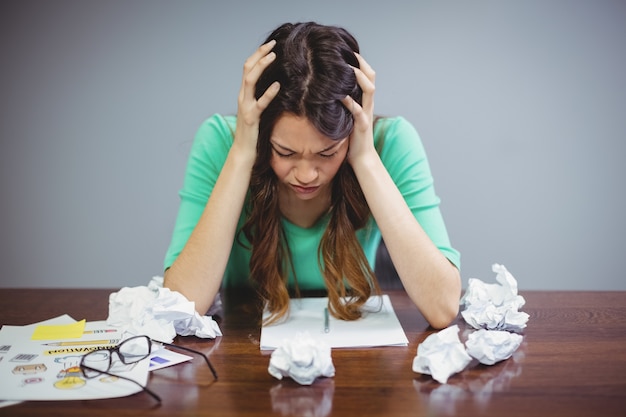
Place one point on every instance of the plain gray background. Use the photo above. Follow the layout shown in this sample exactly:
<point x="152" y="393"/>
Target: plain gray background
<point x="520" y="106"/>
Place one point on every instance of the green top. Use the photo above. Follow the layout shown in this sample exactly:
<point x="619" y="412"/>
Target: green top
<point x="402" y="154"/>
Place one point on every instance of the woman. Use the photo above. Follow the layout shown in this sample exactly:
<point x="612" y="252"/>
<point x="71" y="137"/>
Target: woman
<point x="294" y="194"/>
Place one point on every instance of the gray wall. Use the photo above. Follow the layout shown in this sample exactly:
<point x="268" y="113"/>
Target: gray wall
<point x="520" y="106"/>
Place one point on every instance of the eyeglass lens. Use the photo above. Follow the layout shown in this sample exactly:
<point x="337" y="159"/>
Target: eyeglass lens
<point x="134" y="349"/>
<point x="130" y="351"/>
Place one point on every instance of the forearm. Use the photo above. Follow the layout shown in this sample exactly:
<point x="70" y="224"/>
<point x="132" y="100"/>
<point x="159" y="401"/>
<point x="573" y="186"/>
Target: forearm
<point x="197" y="272"/>
<point x="429" y="279"/>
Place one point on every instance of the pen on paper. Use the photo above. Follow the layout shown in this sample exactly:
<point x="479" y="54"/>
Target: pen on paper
<point x="326" y="321"/>
<point x="85" y="342"/>
<point x="100" y="331"/>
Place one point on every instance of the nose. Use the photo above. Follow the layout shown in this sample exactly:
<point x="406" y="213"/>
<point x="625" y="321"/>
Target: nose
<point x="306" y="172"/>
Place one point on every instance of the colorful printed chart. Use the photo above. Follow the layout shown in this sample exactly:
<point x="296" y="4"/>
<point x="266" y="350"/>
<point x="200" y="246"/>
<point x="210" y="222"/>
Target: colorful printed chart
<point x="42" y="362"/>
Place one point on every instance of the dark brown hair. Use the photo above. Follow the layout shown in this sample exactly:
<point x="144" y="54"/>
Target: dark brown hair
<point x="313" y="65"/>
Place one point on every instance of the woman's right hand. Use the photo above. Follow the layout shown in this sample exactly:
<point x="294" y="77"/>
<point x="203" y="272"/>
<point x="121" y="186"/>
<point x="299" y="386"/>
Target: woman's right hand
<point x="249" y="108"/>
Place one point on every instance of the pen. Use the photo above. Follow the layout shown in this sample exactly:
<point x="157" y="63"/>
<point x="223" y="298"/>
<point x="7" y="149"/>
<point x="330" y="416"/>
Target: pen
<point x="326" y="318"/>
<point x="88" y="342"/>
<point x="100" y="331"/>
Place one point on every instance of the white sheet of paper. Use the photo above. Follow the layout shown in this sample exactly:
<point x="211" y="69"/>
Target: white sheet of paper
<point x="379" y="325"/>
<point x="34" y="370"/>
<point x="163" y="358"/>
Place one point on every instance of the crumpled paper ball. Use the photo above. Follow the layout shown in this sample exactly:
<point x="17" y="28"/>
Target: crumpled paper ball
<point x="492" y="346"/>
<point x="302" y="358"/>
<point x="158" y="313"/>
<point x="441" y="355"/>
<point x="494" y="306"/>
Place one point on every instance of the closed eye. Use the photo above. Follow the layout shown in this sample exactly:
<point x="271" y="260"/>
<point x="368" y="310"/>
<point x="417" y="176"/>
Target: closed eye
<point x="331" y="150"/>
<point x="283" y="154"/>
<point x="327" y="155"/>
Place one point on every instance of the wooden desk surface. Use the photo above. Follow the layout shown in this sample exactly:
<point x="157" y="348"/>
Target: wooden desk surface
<point x="572" y="363"/>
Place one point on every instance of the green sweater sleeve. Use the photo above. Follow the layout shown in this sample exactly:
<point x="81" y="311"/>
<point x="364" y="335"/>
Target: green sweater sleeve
<point x="206" y="159"/>
<point x="404" y="157"/>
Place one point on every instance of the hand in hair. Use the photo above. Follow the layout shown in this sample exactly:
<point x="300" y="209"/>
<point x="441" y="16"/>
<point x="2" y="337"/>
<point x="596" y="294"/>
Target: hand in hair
<point x="197" y="272"/>
<point x="362" y="137"/>
<point x="249" y="108"/>
<point x="432" y="282"/>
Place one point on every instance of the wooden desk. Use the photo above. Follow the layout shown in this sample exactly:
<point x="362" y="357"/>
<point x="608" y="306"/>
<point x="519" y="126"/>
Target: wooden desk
<point x="572" y="363"/>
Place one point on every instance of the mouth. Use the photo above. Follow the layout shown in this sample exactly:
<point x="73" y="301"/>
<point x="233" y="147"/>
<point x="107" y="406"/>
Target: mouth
<point x="304" y="190"/>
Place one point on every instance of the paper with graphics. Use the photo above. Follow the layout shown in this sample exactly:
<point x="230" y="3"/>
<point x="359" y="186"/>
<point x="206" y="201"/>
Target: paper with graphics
<point x="49" y="369"/>
<point x="379" y="325"/>
<point x="162" y="358"/>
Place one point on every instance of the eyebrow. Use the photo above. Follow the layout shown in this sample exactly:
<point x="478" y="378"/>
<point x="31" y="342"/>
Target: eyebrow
<point x="337" y="143"/>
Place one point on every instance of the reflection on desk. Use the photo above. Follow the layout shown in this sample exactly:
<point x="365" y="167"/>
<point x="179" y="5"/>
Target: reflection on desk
<point x="572" y="363"/>
<point x="314" y="401"/>
<point x="443" y="399"/>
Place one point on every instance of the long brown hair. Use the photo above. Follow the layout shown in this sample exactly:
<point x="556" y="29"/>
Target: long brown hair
<point x="313" y="65"/>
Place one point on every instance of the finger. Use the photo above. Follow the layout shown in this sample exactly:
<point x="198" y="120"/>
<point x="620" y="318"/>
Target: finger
<point x="366" y="84"/>
<point x="355" y="109"/>
<point x="252" y="72"/>
<point x="261" y="52"/>
<point x="366" y="68"/>
<point x="268" y="96"/>
<point x="368" y="88"/>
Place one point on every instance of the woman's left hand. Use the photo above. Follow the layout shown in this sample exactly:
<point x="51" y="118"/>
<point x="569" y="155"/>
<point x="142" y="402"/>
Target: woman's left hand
<point x="362" y="137"/>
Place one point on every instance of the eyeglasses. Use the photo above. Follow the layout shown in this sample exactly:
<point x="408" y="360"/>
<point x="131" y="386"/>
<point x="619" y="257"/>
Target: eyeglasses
<point x="130" y="351"/>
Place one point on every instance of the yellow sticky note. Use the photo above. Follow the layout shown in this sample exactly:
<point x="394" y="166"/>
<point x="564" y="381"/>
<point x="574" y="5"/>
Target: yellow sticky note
<point x="59" y="331"/>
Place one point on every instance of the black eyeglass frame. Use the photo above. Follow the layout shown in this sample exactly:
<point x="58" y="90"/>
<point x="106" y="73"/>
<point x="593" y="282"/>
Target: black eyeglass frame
<point x="205" y="357"/>
<point x="116" y="349"/>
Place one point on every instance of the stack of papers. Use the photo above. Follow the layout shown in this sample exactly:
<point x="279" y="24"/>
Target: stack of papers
<point x="42" y="362"/>
<point x="379" y="325"/>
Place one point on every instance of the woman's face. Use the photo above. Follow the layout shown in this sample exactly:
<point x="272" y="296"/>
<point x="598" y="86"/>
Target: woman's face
<point x="304" y="160"/>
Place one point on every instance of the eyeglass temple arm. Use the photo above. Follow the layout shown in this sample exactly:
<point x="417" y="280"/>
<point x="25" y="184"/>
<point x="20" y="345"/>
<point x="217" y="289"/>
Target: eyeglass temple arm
<point x="206" y="359"/>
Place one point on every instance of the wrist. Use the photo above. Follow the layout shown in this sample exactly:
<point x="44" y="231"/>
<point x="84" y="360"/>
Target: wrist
<point x="365" y="160"/>
<point x="242" y="154"/>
